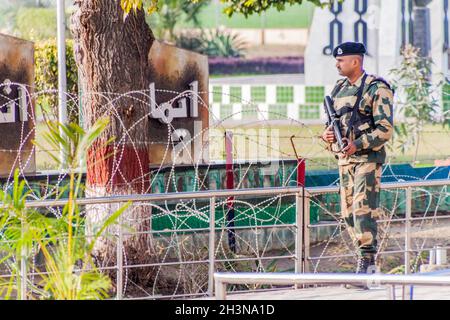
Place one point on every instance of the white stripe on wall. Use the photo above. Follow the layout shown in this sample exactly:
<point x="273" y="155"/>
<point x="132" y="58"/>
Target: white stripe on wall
<point x="215" y="109"/>
<point x="226" y="94"/>
<point x="293" y="111"/>
<point x="246" y="94"/>
<point x="263" y="113"/>
<point x="271" y="94"/>
<point x="237" y="111"/>
<point x="299" y="94"/>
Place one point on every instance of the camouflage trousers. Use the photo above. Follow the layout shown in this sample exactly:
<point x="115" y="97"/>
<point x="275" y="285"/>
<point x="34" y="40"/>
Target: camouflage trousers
<point x="360" y="199"/>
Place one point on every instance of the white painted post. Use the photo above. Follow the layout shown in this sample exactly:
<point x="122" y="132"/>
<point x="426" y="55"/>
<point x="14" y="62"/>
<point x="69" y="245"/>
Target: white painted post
<point x="119" y="262"/>
<point x="406" y="289"/>
<point x="306" y="229"/>
<point x="212" y="250"/>
<point x="298" y="233"/>
<point x="23" y="272"/>
<point x="62" y="77"/>
<point x="221" y="290"/>
<point x="441" y="255"/>
<point x="408" y="230"/>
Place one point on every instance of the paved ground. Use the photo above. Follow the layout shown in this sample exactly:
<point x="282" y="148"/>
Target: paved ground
<point x="341" y="293"/>
<point x="261" y="79"/>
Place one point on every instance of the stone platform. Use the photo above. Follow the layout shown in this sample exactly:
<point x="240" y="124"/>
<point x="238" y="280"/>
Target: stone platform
<point x="341" y="293"/>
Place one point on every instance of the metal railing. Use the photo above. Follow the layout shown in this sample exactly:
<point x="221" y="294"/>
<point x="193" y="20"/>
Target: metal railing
<point x="301" y="226"/>
<point x="222" y="279"/>
<point x="153" y="198"/>
<point x="407" y="185"/>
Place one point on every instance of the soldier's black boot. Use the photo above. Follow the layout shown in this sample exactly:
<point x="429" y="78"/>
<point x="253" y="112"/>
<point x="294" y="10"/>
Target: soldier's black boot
<point x="366" y="262"/>
<point x="365" y="265"/>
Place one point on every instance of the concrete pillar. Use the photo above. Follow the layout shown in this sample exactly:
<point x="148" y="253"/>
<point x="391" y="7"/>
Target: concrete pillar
<point x="422" y="34"/>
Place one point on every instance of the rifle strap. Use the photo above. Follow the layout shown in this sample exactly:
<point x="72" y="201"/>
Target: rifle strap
<point x="356" y="106"/>
<point x="337" y="89"/>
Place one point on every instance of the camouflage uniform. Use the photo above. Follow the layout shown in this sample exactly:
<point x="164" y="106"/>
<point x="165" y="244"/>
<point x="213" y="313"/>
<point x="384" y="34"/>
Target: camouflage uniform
<point x="360" y="173"/>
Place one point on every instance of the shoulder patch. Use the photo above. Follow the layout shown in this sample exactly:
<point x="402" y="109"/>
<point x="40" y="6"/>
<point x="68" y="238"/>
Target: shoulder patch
<point x="380" y="83"/>
<point x="337" y="87"/>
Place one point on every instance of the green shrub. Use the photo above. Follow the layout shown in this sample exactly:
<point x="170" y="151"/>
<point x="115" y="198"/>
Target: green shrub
<point x="172" y="13"/>
<point x="416" y="102"/>
<point x="36" y="23"/>
<point x="214" y="43"/>
<point x="46" y="77"/>
<point x="189" y="41"/>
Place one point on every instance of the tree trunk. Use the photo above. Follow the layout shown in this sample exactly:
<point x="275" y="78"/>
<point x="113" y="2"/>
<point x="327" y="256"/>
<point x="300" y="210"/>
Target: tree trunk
<point x="112" y="57"/>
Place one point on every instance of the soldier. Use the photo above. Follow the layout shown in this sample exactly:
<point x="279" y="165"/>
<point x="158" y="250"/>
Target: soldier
<point x="364" y="104"/>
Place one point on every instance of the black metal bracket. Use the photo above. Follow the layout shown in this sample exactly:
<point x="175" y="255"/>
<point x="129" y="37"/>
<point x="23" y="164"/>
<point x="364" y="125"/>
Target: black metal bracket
<point x="335" y="29"/>
<point x="360" y="28"/>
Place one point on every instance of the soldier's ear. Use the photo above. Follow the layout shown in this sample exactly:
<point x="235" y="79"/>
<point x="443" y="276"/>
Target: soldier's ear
<point x="360" y="60"/>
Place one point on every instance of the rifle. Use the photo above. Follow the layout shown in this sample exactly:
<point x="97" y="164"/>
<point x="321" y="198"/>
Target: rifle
<point x="333" y="119"/>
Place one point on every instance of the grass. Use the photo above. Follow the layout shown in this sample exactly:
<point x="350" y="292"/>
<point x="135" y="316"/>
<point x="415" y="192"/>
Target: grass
<point x="216" y="76"/>
<point x="435" y="141"/>
<point x="257" y="142"/>
<point x="296" y="16"/>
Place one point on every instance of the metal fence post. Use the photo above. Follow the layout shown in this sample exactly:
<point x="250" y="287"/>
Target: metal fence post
<point x="391" y="292"/>
<point x="408" y="230"/>
<point x="212" y="250"/>
<point x="23" y="271"/>
<point x="407" y="236"/>
<point x="221" y="290"/>
<point x="306" y="228"/>
<point x="119" y="261"/>
<point x="298" y="233"/>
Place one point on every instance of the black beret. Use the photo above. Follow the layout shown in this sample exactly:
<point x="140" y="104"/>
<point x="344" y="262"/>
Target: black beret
<point x="349" y="48"/>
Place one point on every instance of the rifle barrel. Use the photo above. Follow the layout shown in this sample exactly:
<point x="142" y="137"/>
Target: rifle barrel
<point x="333" y="119"/>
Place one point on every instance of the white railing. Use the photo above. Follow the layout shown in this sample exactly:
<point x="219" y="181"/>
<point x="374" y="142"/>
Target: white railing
<point x="301" y="226"/>
<point x="222" y="279"/>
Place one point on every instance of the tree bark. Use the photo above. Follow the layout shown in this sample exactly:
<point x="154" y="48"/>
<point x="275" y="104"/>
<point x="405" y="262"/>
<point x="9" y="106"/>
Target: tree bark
<point x="112" y="57"/>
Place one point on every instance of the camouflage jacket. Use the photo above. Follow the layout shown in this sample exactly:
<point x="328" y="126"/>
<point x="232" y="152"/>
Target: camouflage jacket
<point x="377" y="103"/>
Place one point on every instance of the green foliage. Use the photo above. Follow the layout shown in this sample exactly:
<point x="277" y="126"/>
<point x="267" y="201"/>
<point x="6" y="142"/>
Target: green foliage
<point x="223" y="44"/>
<point x="446" y="103"/>
<point x="246" y="7"/>
<point x="7" y="19"/>
<point x="36" y="23"/>
<point x="69" y="270"/>
<point x="30" y="19"/>
<point x="249" y="7"/>
<point x="18" y="226"/>
<point x="414" y="263"/>
<point x="170" y="13"/>
<point x="416" y="101"/>
<point x="215" y="43"/>
<point x="189" y="41"/>
<point x="46" y="75"/>
<point x="212" y="16"/>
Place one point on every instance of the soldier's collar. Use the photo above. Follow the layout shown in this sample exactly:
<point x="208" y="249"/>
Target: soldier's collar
<point x="358" y="82"/>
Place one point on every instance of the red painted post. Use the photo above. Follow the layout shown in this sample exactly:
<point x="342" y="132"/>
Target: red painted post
<point x="301" y="217"/>
<point x="230" y="185"/>
<point x="229" y="160"/>
<point x="301" y="168"/>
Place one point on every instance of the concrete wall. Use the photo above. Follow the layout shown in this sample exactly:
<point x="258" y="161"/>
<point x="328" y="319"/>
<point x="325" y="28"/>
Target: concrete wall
<point x="173" y="70"/>
<point x="17" y="105"/>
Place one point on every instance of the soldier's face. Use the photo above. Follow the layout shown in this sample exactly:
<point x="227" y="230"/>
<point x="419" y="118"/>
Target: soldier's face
<point x="347" y="65"/>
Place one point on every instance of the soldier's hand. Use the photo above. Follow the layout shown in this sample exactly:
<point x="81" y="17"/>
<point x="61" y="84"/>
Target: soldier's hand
<point x="328" y="135"/>
<point x="350" y="148"/>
